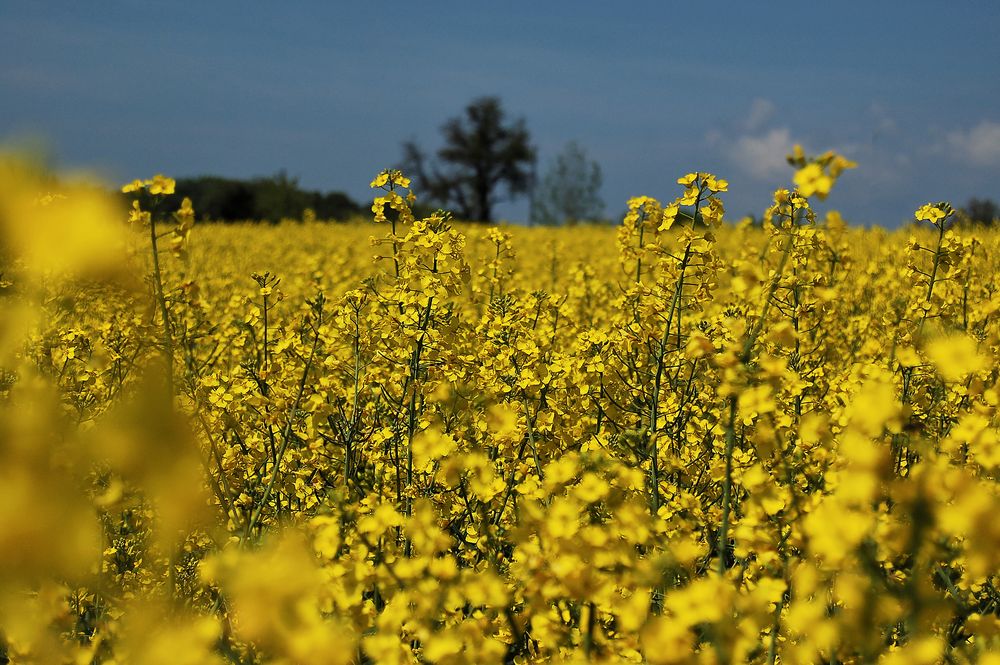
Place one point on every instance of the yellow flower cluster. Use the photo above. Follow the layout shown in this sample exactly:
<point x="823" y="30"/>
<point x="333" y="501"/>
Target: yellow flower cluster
<point x="158" y="185"/>
<point x="817" y="175"/>
<point x="678" y="441"/>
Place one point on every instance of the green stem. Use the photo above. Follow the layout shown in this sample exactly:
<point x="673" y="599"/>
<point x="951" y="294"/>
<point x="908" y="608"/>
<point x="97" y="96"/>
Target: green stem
<point x="168" y="342"/>
<point x="286" y="438"/>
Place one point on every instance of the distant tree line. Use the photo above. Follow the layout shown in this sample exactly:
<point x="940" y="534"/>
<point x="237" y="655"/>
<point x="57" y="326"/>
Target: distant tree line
<point x="269" y="199"/>
<point x="485" y="159"/>
<point x="981" y="211"/>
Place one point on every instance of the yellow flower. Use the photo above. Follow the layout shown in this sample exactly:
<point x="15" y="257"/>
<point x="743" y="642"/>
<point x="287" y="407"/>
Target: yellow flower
<point x="798" y="156"/>
<point x="929" y="212"/>
<point x="956" y="357"/>
<point x="138" y="216"/>
<point x="668" y="217"/>
<point x="812" y="180"/>
<point x="690" y="196"/>
<point x="716" y="184"/>
<point x="666" y="640"/>
<point x="756" y="401"/>
<point x="133" y="186"/>
<point x="592" y="488"/>
<point x="161" y="185"/>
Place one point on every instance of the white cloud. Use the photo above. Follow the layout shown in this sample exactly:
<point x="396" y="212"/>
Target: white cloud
<point x="714" y="137"/>
<point x="760" y="112"/>
<point x="979" y="145"/>
<point x="884" y="123"/>
<point x="763" y="156"/>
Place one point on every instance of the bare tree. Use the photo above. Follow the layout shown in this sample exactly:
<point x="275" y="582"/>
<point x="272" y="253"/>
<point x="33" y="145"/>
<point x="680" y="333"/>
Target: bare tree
<point x="570" y="192"/>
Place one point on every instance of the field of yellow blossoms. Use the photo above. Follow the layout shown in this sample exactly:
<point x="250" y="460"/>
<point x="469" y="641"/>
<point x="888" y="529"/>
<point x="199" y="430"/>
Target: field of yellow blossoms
<point x="423" y="441"/>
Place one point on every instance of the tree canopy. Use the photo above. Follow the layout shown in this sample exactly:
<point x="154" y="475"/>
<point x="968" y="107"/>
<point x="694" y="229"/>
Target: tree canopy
<point x="261" y="199"/>
<point x="484" y="160"/>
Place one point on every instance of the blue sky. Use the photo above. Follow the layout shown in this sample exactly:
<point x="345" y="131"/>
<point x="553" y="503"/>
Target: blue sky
<point x="652" y="90"/>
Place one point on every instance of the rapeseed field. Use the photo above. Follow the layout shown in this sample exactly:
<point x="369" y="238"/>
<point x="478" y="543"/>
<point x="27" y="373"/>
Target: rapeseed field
<point x="682" y="439"/>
